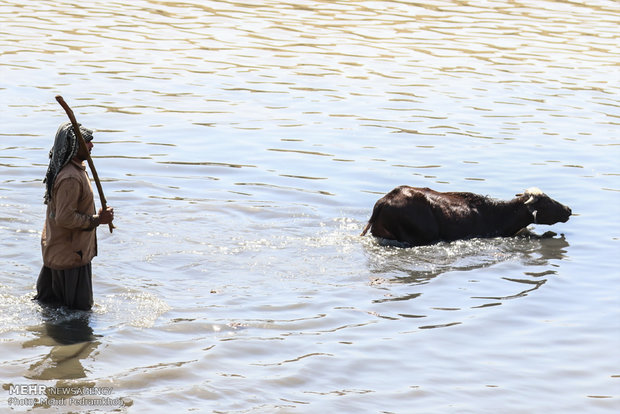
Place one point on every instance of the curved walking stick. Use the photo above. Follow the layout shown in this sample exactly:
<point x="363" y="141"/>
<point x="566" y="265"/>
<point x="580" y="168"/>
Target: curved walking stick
<point x="82" y="144"/>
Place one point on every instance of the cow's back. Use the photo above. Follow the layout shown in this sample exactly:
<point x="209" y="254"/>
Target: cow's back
<point x="419" y="216"/>
<point x="404" y="214"/>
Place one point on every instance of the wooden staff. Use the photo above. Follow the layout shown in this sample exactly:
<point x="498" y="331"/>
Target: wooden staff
<point x="84" y="148"/>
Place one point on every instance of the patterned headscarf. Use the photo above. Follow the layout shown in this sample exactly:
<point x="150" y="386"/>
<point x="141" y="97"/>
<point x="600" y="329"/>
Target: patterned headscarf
<point x="65" y="148"/>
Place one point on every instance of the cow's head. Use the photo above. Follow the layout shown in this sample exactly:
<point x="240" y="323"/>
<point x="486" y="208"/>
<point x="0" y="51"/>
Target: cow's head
<point x="543" y="208"/>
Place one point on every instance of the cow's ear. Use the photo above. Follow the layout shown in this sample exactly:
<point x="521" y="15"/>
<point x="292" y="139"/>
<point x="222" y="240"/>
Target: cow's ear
<point x="518" y="195"/>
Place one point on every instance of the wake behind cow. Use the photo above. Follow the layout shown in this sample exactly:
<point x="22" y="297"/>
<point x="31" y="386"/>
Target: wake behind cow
<point x="420" y="216"/>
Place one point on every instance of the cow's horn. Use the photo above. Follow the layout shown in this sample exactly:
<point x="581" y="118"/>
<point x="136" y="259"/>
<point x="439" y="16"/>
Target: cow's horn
<point x="530" y="200"/>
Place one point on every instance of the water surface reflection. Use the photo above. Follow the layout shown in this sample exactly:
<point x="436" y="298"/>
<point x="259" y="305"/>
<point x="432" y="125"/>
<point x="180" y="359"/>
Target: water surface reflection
<point x="71" y="339"/>
<point x="482" y="272"/>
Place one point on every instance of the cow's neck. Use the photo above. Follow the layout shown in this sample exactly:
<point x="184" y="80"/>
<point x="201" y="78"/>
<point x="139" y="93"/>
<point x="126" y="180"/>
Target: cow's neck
<point x="512" y="216"/>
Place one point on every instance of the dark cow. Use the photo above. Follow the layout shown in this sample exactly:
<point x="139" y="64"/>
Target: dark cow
<point x="418" y="216"/>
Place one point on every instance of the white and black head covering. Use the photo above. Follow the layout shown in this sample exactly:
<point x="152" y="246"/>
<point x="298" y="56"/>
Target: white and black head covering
<point x="65" y="148"/>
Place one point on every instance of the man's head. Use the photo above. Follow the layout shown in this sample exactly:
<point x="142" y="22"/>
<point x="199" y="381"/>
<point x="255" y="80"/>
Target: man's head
<point x="65" y="148"/>
<point x="87" y="134"/>
<point x="89" y="146"/>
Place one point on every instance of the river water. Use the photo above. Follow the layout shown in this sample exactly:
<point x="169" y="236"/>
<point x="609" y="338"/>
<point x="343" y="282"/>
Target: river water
<point x="243" y="145"/>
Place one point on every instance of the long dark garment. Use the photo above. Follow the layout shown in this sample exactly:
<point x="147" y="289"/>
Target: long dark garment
<point x="72" y="287"/>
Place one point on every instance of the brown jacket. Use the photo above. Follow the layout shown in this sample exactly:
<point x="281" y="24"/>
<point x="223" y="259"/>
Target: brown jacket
<point x="69" y="238"/>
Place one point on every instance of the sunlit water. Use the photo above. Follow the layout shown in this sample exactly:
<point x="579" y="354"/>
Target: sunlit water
<point x="243" y="145"/>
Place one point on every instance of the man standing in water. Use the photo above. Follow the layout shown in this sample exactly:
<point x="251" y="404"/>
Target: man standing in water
<point x="69" y="239"/>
